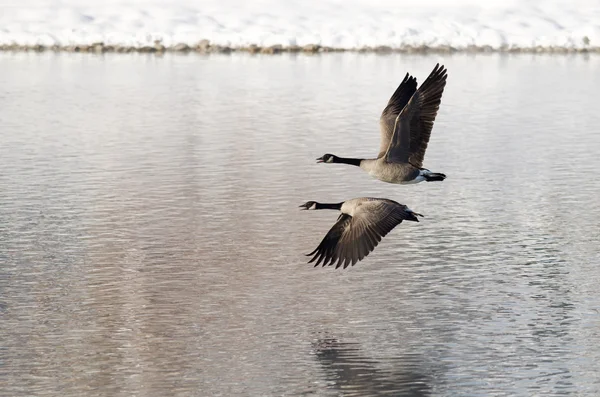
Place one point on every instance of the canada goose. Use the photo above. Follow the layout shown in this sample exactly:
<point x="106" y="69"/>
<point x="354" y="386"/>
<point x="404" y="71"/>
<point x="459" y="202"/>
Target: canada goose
<point x="358" y="230"/>
<point x="405" y="125"/>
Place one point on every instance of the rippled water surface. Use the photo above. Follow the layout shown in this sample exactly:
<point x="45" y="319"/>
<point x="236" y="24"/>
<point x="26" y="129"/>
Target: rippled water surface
<point x="151" y="242"/>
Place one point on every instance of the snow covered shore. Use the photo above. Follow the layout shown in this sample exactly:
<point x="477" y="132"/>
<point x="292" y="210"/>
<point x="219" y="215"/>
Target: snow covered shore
<point x="274" y="26"/>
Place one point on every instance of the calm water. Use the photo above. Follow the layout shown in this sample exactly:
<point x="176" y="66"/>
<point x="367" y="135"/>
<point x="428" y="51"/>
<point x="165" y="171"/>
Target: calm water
<point x="151" y="244"/>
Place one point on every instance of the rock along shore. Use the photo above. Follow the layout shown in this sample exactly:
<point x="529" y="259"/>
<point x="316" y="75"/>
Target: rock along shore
<point x="205" y="47"/>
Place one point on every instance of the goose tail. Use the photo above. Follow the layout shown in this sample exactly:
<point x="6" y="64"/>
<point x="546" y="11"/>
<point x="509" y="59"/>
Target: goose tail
<point x="434" y="176"/>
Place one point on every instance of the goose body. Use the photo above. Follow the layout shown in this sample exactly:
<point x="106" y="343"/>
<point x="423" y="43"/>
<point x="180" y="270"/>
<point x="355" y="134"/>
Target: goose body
<point x="362" y="224"/>
<point x="405" y="127"/>
<point x="400" y="173"/>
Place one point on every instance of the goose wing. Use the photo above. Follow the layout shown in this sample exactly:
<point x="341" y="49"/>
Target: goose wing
<point x="354" y="237"/>
<point x="414" y="123"/>
<point x="397" y="102"/>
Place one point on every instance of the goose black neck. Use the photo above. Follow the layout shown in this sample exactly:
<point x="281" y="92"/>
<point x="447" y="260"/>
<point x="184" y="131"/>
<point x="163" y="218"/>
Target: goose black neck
<point x="344" y="160"/>
<point x="325" y="206"/>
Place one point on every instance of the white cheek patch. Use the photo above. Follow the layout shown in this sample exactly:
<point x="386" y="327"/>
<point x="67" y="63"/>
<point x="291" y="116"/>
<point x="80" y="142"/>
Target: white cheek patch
<point x="313" y="207"/>
<point x="330" y="160"/>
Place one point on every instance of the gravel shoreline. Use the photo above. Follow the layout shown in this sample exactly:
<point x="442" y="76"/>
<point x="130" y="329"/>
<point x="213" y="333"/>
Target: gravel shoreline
<point x="205" y="47"/>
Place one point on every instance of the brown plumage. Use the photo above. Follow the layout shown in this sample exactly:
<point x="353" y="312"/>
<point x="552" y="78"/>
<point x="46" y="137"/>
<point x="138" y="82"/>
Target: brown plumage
<point x="397" y="102"/>
<point x="405" y="127"/>
<point x="359" y="229"/>
<point x="412" y="126"/>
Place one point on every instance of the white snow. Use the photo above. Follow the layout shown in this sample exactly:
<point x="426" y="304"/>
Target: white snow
<point x="334" y="23"/>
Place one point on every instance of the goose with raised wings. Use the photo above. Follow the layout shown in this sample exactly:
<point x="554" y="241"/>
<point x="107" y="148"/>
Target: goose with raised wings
<point x="405" y="124"/>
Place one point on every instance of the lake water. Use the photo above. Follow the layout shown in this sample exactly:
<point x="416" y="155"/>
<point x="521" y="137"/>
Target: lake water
<point x="151" y="242"/>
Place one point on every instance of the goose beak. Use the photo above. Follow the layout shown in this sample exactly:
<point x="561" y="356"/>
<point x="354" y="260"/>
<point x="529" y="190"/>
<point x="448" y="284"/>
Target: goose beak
<point x="320" y="159"/>
<point x="303" y="206"/>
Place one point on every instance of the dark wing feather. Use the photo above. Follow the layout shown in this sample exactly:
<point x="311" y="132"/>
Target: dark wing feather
<point x="415" y="121"/>
<point x="353" y="237"/>
<point x="397" y="102"/>
<point x="326" y="249"/>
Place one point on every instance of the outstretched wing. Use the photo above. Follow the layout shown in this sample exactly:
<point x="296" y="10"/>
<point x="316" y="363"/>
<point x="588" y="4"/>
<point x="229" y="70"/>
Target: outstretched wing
<point x="354" y="237"/>
<point x="397" y="102"/>
<point x="414" y="123"/>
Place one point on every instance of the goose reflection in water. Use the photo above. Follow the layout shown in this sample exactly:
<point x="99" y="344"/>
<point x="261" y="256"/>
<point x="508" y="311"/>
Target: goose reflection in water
<point x="353" y="374"/>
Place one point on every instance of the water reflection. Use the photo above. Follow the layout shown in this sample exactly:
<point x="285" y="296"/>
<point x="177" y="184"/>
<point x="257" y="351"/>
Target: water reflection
<point x="150" y="241"/>
<point x="352" y="373"/>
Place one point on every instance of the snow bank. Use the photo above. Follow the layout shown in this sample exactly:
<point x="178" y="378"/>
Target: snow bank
<point x="345" y="24"/>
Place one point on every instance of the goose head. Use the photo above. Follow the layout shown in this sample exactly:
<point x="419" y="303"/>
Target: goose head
<point x="327" y="158"/>
<point x="309" y="205"/>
